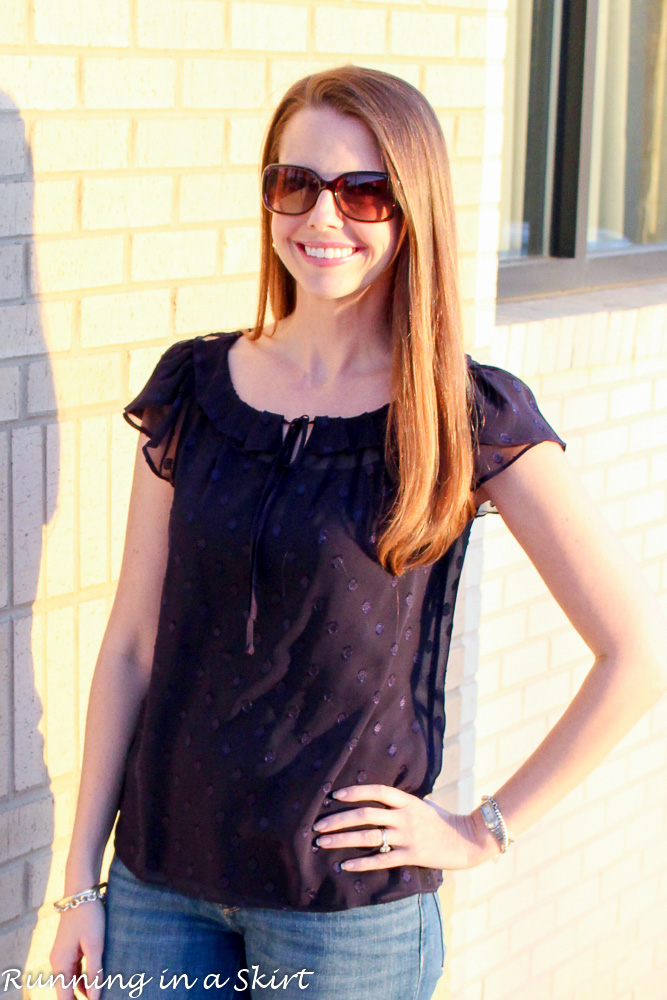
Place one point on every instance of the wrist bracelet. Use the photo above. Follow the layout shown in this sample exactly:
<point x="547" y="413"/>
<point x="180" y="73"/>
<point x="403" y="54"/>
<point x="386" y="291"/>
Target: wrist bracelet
<point x="85" y="896"/>
<point x="494" y="821"/>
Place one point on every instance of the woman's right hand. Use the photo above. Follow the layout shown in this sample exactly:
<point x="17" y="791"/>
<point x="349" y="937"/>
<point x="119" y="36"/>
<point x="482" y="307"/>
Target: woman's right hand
<point x="80" y="935"/>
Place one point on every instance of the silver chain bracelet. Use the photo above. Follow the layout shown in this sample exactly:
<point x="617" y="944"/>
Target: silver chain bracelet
<point x="85" y="896"/>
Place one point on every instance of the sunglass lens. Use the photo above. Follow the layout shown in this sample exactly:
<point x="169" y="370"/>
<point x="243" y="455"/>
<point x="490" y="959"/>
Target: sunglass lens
<point x="365" y="197"/>
<point x="289" y="190"/>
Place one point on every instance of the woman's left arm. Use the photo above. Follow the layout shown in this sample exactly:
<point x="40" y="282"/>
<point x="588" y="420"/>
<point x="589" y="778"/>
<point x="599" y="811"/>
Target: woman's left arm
<point x="609" y="602"/>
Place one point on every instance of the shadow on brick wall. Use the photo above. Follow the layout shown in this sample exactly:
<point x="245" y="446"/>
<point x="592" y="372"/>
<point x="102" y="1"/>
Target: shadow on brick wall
<point x="29" y="487"/>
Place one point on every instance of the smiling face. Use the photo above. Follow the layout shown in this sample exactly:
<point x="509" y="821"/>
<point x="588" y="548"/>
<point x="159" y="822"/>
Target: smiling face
<point x="332" y="144"/>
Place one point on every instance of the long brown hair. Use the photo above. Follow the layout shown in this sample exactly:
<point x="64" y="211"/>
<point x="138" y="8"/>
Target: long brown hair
<point x="428" y="445"/>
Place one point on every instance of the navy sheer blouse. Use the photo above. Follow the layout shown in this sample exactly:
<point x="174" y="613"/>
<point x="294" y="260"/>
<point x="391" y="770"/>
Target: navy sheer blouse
<point x="288" y="662"/>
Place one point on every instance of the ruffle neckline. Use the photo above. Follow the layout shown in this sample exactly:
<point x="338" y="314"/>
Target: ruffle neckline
<point x="261" y="430"/>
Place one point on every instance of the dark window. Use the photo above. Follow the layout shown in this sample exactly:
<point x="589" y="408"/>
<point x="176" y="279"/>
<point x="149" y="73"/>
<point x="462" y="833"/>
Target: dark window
<point x="584" y="179"/>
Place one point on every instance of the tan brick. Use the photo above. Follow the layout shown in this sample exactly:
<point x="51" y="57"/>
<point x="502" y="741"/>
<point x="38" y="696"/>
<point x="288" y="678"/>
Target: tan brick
<point x="29" y="692"/>
<point x="627" y="476"/>
<point x="545" y="616"/>
<point x="499" y="713"/>
<point x="603" y="374"/>
<point x="227" y="305"/>
<point x="338" y="29"/>
<point x="583" y="825"/>
<point x="72" y="145"/>
<point x="79" y="22"/>
<point x="482" y="37"/>
<point x="11" y="271"/>
<point x="211" y="197"/>
<point x="464" y="86"/>
<point x="606" y="445"/>
<point x="59" y="532"/>
<point x="466" y="182"/>
<point x="546" y="695"/>
<point x="635" y="899"/>
<point x="35" y="328"/>
<point x="12" y="880"/>
<point x="488" y="952"/>
<point x="64" y="383"/>
<point x="9" y="393"/>
<point x="4" y="515"/>
<point x="503" y="631"/>
<point x="658" y="472"/>
<point x="124" y="318"/>
<point x="129" y="83"/>
<point x="177" y="142"/>
<point x="241" y="250"/>
<point x="53" y="206"/>
<point x="14" y="22"/>
<point x="173" y="24"/>
<point x="12" y="146"/>
<point x="620" y="874"/>
<point x="603" y="852"/>
<point x="67" y="264"/>
<point x="284" y="72"/>
<point x="585" y="410"/>
<point x="60" y="687"/>
<point x="43" y="83"/>
<point x="93" y="493"/>
<point x="632" y="968"/>
<point x="524" y="662"/>
<point x="647" y="506"/>
<point x="126" y="202"/>
<point x="269" y="27"/>
<point x="609" y="775"/>
<point x="489" y="223"/>
<point x="577" y="900"/>
<point x="245" y="140"/>
<point x="5" y="712"/>
<point x="503" y="980"/>
<point x="164" y="256"/>
<point x="649" y="433"/>
<point x="534" y="925"/>
<point x="423" y="35"/>
<point x="28" y="510"/>
<point x="569" y="647"/>
<point x="501" y="550"/>
<point x="629" y="400"/>
<point x="223" y="83"/>
<point x="523" y="584"/>
<point x="548" y="954"/>
<point x="519" y="742"/>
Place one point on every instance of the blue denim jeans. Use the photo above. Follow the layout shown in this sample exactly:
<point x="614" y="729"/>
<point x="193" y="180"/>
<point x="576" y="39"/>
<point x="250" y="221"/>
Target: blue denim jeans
<point x="154" y="935"/>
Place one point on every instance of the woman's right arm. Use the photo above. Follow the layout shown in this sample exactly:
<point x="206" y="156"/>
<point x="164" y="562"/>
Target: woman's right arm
<point x="120" y="681"/>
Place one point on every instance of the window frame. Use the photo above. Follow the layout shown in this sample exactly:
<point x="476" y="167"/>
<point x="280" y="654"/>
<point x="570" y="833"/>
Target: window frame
<point x="570" y="266"/>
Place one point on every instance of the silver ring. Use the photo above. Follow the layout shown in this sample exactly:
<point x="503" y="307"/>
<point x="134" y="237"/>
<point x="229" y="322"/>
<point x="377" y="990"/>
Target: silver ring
<point x="385" y="845"/>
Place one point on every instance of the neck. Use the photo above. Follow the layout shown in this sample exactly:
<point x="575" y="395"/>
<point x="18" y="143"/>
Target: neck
<point x="327" y="339"/>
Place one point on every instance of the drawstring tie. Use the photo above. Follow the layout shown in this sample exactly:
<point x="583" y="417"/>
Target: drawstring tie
<point x="297" y="430"/>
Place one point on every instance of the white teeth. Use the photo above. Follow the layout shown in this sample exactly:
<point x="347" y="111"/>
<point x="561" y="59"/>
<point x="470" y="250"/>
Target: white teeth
<point x="329" y="252"/>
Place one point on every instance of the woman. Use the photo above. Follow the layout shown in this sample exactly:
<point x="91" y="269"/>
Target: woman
<point x="274" y="662"/>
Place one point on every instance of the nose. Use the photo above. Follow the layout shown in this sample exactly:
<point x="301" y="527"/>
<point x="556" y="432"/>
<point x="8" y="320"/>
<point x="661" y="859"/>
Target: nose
<point x="325" y="211"/>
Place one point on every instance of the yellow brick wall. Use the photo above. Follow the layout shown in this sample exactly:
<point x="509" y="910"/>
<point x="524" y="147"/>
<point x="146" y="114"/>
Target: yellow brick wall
<point x="129" y="139"/>
<point x="578" y="908"/>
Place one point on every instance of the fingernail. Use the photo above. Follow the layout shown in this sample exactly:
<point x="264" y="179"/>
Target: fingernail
<point x="340" y="793"/>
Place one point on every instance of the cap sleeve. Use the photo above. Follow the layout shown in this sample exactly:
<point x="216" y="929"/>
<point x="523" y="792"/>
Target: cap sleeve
<point x="508" y="420"/>
<point x="161" y="408"/>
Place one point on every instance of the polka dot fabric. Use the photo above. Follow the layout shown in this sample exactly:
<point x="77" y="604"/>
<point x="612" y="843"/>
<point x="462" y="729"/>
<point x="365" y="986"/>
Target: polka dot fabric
<point x="287" y="661"/>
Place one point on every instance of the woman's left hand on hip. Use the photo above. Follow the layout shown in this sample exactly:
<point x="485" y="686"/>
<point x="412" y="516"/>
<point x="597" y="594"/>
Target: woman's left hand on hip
<point x="418" y="831"/>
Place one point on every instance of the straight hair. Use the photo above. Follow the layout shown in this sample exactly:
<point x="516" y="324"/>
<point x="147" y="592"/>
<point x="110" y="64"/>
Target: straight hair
<point x="428" y="443"/>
